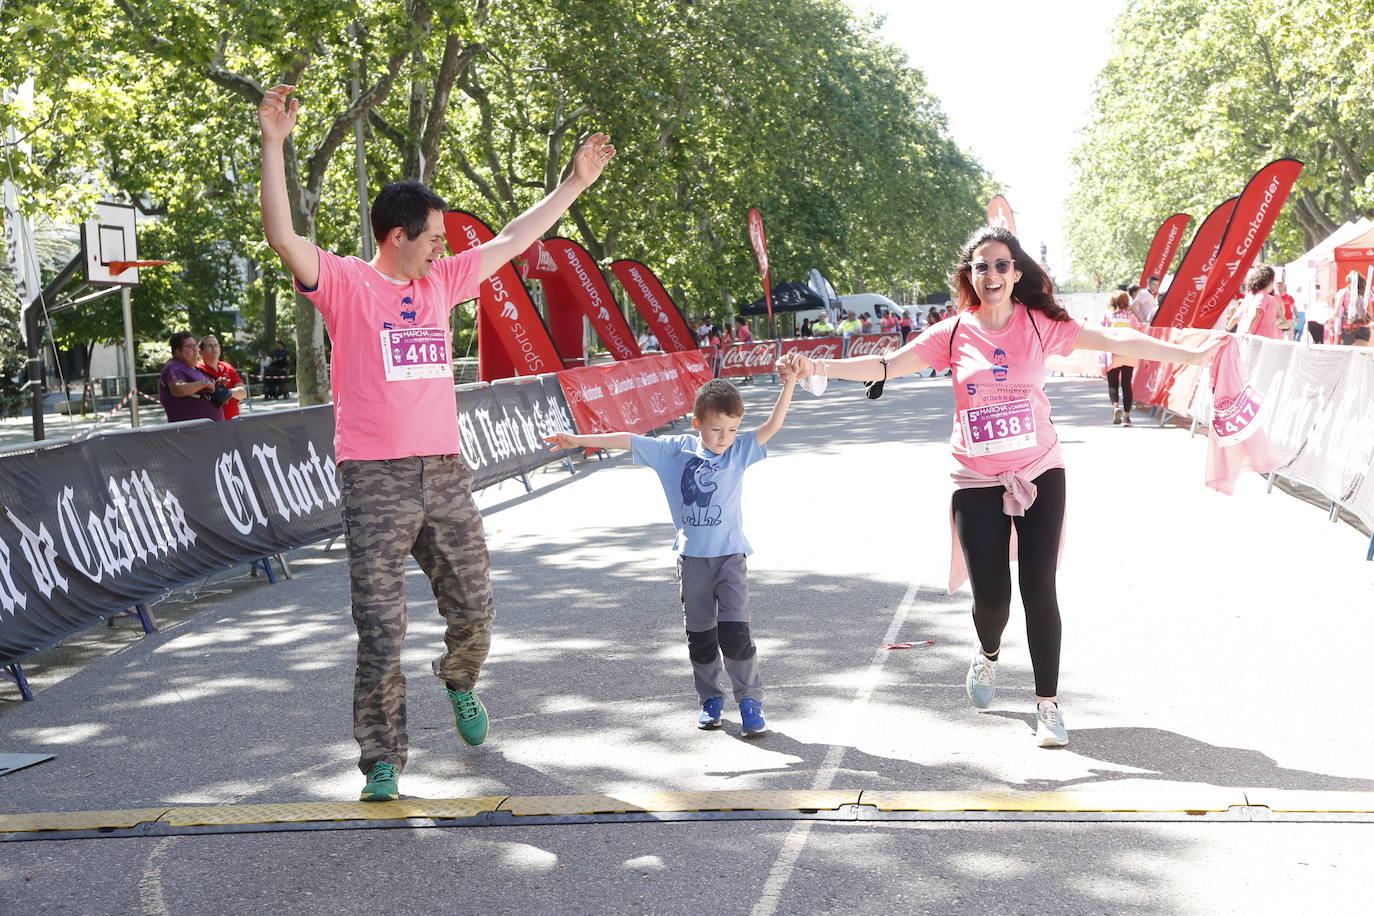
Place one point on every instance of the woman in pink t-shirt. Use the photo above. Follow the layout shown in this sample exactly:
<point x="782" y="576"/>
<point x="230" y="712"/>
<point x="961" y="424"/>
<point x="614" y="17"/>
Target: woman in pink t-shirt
<point x="1009" y="474"/>
<point x="1120" y="368"/>
<point x="1267" y="308"/>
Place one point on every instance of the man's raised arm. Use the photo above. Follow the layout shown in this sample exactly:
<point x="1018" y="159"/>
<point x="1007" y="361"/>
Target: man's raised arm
<point x="277" y="119"/>
<point x="522" y="232"/>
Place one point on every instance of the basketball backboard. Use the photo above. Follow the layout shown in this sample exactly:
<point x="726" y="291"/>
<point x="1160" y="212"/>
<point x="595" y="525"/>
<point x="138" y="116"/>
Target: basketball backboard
<point x="109" y="237"/>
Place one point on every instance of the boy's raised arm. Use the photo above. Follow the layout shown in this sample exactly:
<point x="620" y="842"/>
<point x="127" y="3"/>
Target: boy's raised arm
<point x="774" y="422"/>
<point x="604" y="440"/>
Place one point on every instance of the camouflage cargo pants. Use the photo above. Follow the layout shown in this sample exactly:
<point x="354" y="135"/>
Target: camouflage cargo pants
<point x="423" y="507"/>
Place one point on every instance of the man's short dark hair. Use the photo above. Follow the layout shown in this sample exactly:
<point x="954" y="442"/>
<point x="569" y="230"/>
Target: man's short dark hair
<point x="1154" y="278"/>
<point x="405" y="204"/>
<point x="718" y="396"/>
<point x="178" y="340"/>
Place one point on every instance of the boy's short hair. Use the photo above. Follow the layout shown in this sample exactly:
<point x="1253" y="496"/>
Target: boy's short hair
<point x="718" y="396"/>
<point x="405" y="204"/>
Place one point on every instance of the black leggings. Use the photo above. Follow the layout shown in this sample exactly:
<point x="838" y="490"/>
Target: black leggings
<point x="1120" y="377"/>
<point x="985" y="533"/>
<point x="1317" y="330"/>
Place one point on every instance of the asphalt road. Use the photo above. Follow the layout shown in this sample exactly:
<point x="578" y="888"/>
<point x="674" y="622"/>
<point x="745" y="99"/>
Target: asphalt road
<point x="1209" y="641"/>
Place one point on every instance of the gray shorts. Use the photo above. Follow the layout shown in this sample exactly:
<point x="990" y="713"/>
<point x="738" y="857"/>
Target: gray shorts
<point x="713" y="589"/>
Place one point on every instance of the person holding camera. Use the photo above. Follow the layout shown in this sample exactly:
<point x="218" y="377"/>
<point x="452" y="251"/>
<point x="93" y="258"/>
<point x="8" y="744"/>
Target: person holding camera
<point x="228" y="376"/>
<point x="186" y="392"/>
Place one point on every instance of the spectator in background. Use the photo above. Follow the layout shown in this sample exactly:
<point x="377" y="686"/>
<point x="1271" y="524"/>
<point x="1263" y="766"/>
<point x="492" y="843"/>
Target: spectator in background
<point x="704" y="328"/>
<point x="932" y="316"/>
<point x="647" y="341"/>
<point x="866" y="323"/>
<point x="1318" y="312"/>
<point x="949" y="310"/>
<point x="805" y="328"/>
<point x="278" y="372"/>
<point x="1145" y="302"/>
<point x="848" y="328"/>
<point x="1350" y="314"/>
<point x="742" y="332"/>
<point x="888" y="324"/>
<point x="186" y="392"/>
<point x="904" y="326"/>
<point x="1120" y="369"/>
<point x="1260" y="309"/>
<point x="821" y="327"/>
<point x="228" y="376"/>
<point x="1289" y="319"/>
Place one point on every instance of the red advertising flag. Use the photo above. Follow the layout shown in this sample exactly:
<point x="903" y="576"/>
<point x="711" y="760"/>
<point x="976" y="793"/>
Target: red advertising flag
<point x="1168" y="239"/>
<point x="655" y="306"/>
<point x="1181" y="299"/>
<point x="579" y="280"/>
<point x="999" y="214"/>
<point x="1256" y="209"/>
<point x="511" y="336"/>
<point x="759" y="240"/>
<point x="636" y="395"/>
<point x="536" y="262"/>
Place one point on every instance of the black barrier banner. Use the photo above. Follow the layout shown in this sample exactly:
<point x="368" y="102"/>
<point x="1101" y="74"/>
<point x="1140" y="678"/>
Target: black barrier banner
<point x="90" y="528"/>
<point x="502" y="427"/>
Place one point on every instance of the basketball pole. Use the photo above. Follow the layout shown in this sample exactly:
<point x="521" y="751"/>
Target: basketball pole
<point x="127" y="299"/>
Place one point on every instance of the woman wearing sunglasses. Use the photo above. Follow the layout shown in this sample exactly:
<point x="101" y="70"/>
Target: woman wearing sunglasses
<point x="1008" y="472"/>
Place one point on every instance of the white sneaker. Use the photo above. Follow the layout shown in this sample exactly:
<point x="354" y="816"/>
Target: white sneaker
<point x="1049" y="725"/>
<point x="981" y="682"/>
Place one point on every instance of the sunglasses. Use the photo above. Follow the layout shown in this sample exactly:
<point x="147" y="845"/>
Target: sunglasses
<point x="1003" y="265"/>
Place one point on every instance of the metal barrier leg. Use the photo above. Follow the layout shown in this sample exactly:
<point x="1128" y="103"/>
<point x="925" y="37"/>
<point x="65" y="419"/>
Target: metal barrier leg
<point x="1335" y="510"/>
<point x="266" y="565"/>
<point x="285" y="570"/>
<point x="330" y="546"/>
<point x="1370" y="555"/>
<point x="15" y="674"/>
<point x="567" y="463"/>
<point x="1273" y="475"/>
<point x="1192" y="428"/>
<point x="525" y="479"/>
<point x="140" y="611"/>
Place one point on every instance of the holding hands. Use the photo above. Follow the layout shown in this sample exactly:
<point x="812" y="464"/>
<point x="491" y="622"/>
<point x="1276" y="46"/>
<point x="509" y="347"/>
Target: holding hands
<point x="277" y="115"/>
<point x="793" y="367"/>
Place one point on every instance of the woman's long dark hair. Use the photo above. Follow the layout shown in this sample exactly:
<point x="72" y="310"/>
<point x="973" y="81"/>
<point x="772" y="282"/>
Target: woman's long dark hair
<point x="1034" y="290"/>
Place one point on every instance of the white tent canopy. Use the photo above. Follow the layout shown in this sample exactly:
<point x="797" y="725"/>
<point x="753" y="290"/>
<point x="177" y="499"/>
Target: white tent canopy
<point x="1313" y="273"/>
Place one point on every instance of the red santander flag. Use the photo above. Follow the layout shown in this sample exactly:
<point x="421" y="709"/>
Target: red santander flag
<point x="1180" y="301"/>
<point x="1168" y="239"/>
<point x="655" y="306"/>
<point x="1256" y="209"/>
<point x="511" y="336"/>
<point x="760" y="243"/>
<point x="999" y="214"/>
<point x="579" y="280"/>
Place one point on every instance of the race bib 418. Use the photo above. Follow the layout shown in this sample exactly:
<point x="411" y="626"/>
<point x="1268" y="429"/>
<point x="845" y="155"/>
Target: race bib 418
<point x="411" y="353"/>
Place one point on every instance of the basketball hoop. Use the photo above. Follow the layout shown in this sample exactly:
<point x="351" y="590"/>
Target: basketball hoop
<point x="118" y="267"/>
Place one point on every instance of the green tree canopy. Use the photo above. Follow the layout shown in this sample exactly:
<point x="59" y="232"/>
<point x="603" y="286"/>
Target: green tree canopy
<point x="1196" y="96"/>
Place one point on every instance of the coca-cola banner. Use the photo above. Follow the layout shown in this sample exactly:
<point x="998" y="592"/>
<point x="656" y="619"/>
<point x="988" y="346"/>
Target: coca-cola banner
<point x="92" y="527"/>
<point x="813" y="347"/>
<point x="511" y="336"/>
<point x="1168" y="239"/>
<point x="502" y="427"/>
<point x="742" y="359"/>
<point x="1180" y="301"/>
<point x="1256" y="209"/>
<point x="636" y="395"/>
<point x="655" y="306"/>
<point x="869" y="344"/>
<point x="579" y="283"/>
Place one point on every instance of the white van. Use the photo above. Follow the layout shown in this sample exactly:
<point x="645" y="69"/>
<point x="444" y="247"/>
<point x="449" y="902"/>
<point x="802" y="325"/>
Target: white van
<point x="858" y="303"/>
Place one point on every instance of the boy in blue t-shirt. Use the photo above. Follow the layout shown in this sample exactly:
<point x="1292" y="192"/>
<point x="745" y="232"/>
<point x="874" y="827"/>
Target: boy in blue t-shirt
<point x="702" y="476"/>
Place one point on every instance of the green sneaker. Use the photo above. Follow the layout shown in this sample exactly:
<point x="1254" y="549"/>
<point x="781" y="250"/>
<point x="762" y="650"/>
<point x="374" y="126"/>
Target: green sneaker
<point x="381" y="784"/>
<point x="469" y="715"/>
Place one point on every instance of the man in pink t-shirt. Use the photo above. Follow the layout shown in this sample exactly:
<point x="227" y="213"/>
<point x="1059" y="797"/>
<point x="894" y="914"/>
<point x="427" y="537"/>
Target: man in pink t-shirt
<point x="406" y="490"/>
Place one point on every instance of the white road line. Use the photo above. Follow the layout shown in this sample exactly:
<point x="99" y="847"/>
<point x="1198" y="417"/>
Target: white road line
<point x="795" y="841"/>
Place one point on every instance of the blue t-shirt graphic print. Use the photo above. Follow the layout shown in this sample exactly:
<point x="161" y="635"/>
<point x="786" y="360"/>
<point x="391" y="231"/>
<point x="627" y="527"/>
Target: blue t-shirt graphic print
<point x="702" y="488"/>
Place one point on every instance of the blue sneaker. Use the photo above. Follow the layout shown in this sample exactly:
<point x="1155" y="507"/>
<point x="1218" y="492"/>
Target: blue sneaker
<point x="981" y="682"/>
<point x="710" y="713"/>
<point x="1049" y="725"/>
<point x="751" y="718"/>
